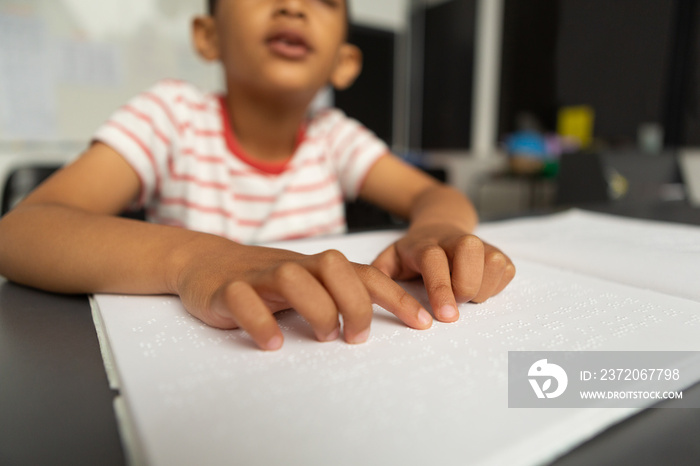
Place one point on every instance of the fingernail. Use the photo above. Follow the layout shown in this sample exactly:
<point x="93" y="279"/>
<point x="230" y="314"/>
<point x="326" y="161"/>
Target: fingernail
<point x="274" y="343"/>
<point x="448" y="312"/>
<point x="424" y="318"/>
<point x="332" y="336"/>
<point x="360" y="337"/>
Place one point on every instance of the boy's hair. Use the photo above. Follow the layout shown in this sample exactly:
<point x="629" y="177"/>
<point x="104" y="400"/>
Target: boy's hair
<point x="211" y="4"/>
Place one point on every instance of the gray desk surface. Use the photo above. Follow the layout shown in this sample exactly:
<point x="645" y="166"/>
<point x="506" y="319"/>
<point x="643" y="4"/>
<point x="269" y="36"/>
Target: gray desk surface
<point x="56" y="405"/>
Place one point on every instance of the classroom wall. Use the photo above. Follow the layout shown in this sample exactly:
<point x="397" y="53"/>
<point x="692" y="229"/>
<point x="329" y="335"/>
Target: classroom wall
<point x="66" y="65"/>
<point x="386" y="14"/>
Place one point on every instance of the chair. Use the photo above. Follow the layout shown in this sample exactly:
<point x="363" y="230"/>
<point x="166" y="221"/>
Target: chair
<point x="21" y="173"/>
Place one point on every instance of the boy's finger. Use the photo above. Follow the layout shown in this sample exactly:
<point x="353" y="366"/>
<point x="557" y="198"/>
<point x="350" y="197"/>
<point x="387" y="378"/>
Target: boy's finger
<point x="435" y="269"/>
<point x="298" y="287"/>
<point x="495" y="263"/>
<point x="508" y="275"/>
<point x="467" y="257"/>
<point x="493" y="271"/>
<point x="349" y="293"/>
<point x="388" y="261"/>
<point x="240" y="300"/>
<point x="389" y="295"/>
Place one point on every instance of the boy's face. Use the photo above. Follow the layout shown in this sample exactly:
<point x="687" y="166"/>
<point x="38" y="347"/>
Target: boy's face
<point x="281" y="46"/>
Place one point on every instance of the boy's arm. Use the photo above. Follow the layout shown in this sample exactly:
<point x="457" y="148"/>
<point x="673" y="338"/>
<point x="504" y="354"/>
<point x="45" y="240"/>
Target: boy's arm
<point x="456" y="266"/>
<point x="65" y="235"/>
<point x="66" y="238"/>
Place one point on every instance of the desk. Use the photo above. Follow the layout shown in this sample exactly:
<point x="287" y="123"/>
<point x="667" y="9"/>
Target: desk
<point x="665" y="211"/>
<point x="56" y="406"/>
<point x="55" y="403"/>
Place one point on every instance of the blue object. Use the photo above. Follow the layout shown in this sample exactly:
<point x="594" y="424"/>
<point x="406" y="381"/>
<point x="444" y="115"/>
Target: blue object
<point x="527" y="143"/>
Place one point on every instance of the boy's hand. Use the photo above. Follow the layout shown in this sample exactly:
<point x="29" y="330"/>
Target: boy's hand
<point x="245" y="289"/>
<point x="455" y="266"/>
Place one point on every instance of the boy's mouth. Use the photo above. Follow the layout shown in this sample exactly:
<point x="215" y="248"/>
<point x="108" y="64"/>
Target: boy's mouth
<point x="288" y="44"/>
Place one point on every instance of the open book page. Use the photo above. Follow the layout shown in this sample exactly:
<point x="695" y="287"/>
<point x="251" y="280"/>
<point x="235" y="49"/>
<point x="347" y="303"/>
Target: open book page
<point x="659" y="256"/>
<point x="197" y="395"/>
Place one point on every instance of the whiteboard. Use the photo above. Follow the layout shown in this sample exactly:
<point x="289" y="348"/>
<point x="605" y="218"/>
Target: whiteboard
<point x="66" y="65"/>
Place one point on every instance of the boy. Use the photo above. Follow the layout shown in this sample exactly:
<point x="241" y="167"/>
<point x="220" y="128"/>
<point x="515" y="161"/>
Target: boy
<point x="250" y="167"/>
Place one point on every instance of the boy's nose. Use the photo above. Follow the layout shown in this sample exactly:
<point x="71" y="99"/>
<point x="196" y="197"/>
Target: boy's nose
<point x="293" y="8"/>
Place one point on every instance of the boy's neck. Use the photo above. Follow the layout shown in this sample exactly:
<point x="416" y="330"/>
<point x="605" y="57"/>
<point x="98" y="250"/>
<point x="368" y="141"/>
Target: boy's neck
<point x="266" y="129"/>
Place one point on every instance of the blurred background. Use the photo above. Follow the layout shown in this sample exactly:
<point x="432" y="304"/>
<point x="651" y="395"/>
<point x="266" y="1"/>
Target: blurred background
<point x="526" y="106"/>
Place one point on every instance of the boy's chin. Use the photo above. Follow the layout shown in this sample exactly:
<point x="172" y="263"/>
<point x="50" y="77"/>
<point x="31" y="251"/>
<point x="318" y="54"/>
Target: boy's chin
<point x="293" y="91"/>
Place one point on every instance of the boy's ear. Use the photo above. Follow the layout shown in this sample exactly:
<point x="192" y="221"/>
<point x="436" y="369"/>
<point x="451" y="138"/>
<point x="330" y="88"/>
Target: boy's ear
<point x="348" y="66"/>
<point x="205" y="38"/>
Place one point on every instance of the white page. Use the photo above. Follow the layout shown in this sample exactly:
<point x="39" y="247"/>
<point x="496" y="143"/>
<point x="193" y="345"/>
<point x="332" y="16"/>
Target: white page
<point x="197" y="395"/>
<point x="655" y="255"/>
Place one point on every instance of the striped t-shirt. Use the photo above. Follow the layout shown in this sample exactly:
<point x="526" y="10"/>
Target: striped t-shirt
<point x="195" y="175"/>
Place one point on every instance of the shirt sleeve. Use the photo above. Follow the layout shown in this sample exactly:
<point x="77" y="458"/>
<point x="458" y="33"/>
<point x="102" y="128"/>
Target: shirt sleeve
<point x="354" y="150"/>
<point x="142" y="131"/>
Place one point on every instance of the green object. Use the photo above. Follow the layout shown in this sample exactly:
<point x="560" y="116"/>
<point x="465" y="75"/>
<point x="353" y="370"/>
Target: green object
<point x="550" y="169"/>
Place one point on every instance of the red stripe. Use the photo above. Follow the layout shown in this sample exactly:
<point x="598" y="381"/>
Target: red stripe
<point x="250" y="223"/>
<point x="193" y="179"/>
<point x="149" y="120"/>
<point x="234" y="172"/>
<point x="360" y="148"/>
<point x="158" y="101"/>
<point x="325" y="137"/>
<point x="347" y="140"/>
<point x="210" y="210"/>
<point x="143" y="147"/>
<point x="170" y="201"/>
<point x="303" y="210"/>
<point x="198" y="107"/>
<point x="201" y="107"/>
<point x="304" y="188"/>
<point x="248" y="173"/>
<point x="163" y="220"/>
<point x="320" y="160"/>
<point x="336" y="129"/>
<point x="339" y="147"/>
<point x="315" y="231"/>
<point x="247" y="197"/>
<point x="253" y="198"/>
<point x="242" y="172"/>
<point x="239" y="173"/>
<point x="203" y="158"/>
<point x="208" y="133"/>
<point x="198" y="207"/>
<point x="201" y="132"/>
